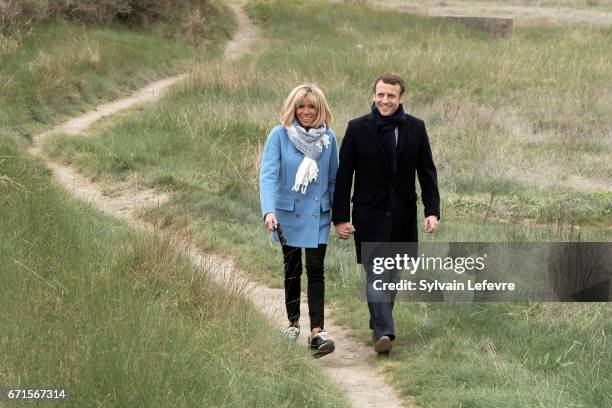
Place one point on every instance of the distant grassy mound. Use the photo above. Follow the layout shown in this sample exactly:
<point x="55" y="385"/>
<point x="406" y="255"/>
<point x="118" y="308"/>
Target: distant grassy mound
<point x="59" y="57"/>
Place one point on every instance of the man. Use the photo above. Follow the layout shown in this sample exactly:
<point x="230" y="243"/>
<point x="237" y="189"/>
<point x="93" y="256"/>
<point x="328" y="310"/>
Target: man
<point x="384" y="149"/>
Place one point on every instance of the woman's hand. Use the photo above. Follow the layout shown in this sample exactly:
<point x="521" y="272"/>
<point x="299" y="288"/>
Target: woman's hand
<point x="270" y="221"/>
<point x="344" y="229"/>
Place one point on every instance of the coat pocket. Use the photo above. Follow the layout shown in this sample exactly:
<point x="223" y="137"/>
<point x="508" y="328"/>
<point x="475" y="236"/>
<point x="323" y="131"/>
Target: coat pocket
<point x="325" y="205"/>
<point x="287" y="204"/>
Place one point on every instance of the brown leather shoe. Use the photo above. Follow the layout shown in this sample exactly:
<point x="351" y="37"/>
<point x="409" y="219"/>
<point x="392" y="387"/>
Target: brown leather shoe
<point x="383" y="345"/>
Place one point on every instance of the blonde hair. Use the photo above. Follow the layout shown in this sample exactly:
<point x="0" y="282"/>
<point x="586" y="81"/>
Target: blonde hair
<point x="316" y="97"/>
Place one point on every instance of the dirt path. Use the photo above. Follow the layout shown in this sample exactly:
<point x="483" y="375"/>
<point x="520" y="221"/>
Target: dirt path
<point x="243" y="38"/>
<point x="350" y="366"/>
<point x="520" y="13"/>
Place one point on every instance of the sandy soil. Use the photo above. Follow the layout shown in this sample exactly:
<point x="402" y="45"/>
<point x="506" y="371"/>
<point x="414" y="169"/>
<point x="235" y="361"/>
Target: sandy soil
<point x="519" y="12"/>
<point x="350" y="366"/>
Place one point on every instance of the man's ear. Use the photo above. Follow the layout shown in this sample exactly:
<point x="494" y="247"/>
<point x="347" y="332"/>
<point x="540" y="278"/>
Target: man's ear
<point x="401" y="98"/>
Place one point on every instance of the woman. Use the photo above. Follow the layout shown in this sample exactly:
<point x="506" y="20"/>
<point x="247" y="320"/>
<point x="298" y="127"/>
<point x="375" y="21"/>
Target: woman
<point x="296" y="183"/>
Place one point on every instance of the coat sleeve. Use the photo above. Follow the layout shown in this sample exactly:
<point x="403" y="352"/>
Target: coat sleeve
<point x="341" y="208"/>
<point x="428" y="179"/>
<point x="333" y="166"/>
<point x="268" y="173"/>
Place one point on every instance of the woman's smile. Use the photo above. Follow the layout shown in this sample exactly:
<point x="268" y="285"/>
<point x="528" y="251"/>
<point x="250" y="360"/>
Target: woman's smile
<point x="306" y="112"/>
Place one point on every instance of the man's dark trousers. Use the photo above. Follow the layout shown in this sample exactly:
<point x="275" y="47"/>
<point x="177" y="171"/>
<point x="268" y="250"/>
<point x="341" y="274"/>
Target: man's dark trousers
<point x="384" y="204"/>
<point x="380" y="303"/>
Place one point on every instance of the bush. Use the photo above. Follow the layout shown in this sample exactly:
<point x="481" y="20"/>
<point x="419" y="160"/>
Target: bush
<point x="20" y="14"/>
<point x="16" y="13"/>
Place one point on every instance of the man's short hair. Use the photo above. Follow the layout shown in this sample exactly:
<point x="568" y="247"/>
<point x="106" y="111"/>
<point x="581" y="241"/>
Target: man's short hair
<point x="391" y="79"/>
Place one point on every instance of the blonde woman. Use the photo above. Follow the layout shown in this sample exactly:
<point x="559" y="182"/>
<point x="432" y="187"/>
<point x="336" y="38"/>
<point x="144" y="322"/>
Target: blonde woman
<point x="297" y="178"/>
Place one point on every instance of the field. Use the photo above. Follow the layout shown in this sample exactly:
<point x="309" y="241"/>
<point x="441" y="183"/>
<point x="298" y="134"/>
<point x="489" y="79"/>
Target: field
<point x="113" y="315"/>
<point x="523" y="12"/>
<point x="119" y="317"/>
<point x="521" y="136"/>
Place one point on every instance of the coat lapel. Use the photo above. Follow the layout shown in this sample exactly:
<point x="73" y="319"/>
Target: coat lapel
<point x="371" y="126"/>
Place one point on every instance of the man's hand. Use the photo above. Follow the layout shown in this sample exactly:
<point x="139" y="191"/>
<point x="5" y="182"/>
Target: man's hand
<point x="270" y="221"/>
<point x="344" y="229"/>
<point x="431" y="224"/>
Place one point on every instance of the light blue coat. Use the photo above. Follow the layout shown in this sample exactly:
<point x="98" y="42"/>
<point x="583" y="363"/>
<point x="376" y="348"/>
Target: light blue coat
<point x="304" y="218"/>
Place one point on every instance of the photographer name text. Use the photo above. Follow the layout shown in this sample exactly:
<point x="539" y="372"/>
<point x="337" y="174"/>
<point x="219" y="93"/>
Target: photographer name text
<point x="424" y="285"/>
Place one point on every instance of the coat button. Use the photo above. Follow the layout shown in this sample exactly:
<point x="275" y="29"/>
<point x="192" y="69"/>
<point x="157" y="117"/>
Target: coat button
<point x="315" y="215"/>
<point x="297" y="200"/>
<point x="316" y="199"/>
<point x="297" y="215"/>
<point x="388" y="213"/>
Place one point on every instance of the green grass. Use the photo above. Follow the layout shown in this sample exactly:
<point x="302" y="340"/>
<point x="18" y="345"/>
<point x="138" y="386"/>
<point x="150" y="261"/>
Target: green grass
<point x="483" y="355"/>
<point x="520" y="135"/>
<point x="505" y="355"/>
<point x="117" y="317"/>
<point x="521" y="119"/>
<point x="502" y="355"/>
<point x="59" y="68"/>
<point x="114" y="316"/>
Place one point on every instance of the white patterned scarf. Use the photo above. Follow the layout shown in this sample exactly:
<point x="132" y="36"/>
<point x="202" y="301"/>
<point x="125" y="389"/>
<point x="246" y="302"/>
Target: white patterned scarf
<point x="311" y="144"/>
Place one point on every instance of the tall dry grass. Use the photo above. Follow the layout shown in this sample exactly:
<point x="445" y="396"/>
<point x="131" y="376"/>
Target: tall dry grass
<point x="509" y="125"/>
<point x="118" y="317"/>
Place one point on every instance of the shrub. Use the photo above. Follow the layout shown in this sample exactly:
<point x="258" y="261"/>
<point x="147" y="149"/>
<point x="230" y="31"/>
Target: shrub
<point x="21" y="14"/>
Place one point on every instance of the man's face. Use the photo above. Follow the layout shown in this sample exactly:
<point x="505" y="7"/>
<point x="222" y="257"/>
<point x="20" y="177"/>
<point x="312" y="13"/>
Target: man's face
<point x="387" y="98"/>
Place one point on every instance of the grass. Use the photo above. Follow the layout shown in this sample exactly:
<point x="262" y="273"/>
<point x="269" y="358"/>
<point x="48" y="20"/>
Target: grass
<point x="500" y="363"/>
<point x="59" y="68"/>
<point x="519" y="131"/>
<point x="114" y="316"/>
<point x="571" y="4"/>
<point x="502" y="355"/>
<point x="535" y="137"/>
<point x="118" y="317"/>
<point x="482" y="355"/>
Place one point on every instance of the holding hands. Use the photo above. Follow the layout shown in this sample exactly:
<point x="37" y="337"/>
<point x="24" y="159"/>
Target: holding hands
<point x="344" y="229"/>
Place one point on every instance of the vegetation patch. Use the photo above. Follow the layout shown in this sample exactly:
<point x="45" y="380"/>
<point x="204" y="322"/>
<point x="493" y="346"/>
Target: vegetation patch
<point x="52" y="65"/>
<point x="117" y="317"/>
<point x="516" y="127"/>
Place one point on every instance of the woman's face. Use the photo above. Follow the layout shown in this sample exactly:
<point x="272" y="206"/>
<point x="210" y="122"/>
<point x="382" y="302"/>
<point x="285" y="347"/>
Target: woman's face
<point x="306" y="113"/>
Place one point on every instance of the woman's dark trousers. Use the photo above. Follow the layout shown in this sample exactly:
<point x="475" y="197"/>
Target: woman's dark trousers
<point x="292" y="259"/>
